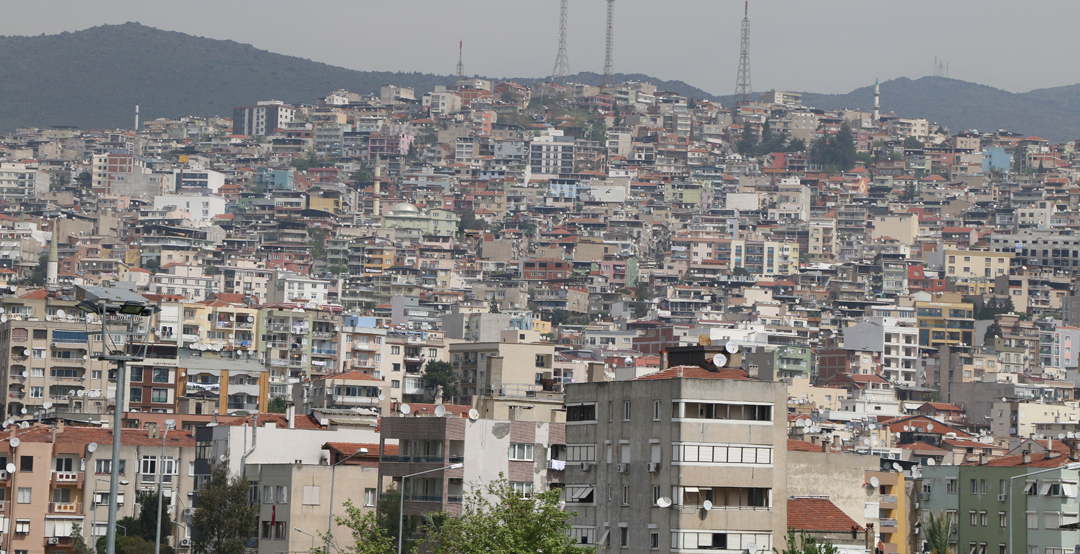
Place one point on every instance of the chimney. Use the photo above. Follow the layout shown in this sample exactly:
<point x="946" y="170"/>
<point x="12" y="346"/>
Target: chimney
<point x="1026" y="457"/>
<point x="290" y="413"/>
<point x="1074" y="452"/>
<point x="825" y="446"/>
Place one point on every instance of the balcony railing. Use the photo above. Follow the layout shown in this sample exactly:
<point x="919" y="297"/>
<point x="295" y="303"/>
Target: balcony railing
<point x="887" y="523"/>
<point x="453" y="499"/>
<point x="65" y="507"/>
<point x="65" y="476"/>
<point x="424" y="498"/>
<point x="888" y="499"/>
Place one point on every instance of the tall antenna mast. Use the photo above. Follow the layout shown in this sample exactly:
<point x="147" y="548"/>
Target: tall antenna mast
<point x="562" y="65"/>
<point x="743" y="91"/>
<point x="460" y="64"/>
<point x="609" y="65"/>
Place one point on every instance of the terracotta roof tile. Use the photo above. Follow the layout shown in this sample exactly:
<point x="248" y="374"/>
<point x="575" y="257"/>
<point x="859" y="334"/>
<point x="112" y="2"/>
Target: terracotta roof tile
<point x="818" y="514"/>
<point x="696" y="372"/>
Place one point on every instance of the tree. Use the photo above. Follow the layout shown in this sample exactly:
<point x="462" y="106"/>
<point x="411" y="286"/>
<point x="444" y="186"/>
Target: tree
<point x="387" y="518"/>
<point x="805" y="544"/>
<point x="936" y="529"/>
<point x="78" y="544"/>
<point x="513" y="523"/>
<point x="437" y="374"/>
<point x="363" y="175"/>
<point x="277" y="405"/>
<point x="912" y="143"/>
<point x="224" y="518"/>
<point x="38" y="274"/>
<point x="128" y="544"/>
<point x="796" y="145"/>
<point x="642" y="295"/>
<point x="468" y="220"/>
<point x="148" y="512"/>
<point x="317" y="243"/>
<point x="368" y="536"/>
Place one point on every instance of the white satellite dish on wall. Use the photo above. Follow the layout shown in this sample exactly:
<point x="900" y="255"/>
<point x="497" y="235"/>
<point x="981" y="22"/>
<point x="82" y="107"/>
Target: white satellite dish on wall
<point x="92" y="447"/>
<point x="732" y="347"/>
<point x="11" y="468"/>
<point x="15" y="442"/>
<point x="473" y="414"/>
<point x="930" y="462"/>
<point x="663" y="501"/>
<point x="929" y="426"/>
<point x="874" y="482"/>
<point x="382" y="396"/>
<point x="707" y="505"/>
<point x="61" y="314"/>
<point x="628" y="361"/>
<point x="23" y="411"/>
<point x="873" y="426"/>
<point x="440" y="410"/>
<point x="405" y="409"/>
<point x="897" y="466"/>
<point x="719" y="360"/>
<point x="47" y="405"/>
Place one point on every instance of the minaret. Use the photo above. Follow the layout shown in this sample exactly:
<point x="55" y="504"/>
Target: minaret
<point x="136" y="117"/>
<point x="52" y="266"/>
<point x="877" y="98"/>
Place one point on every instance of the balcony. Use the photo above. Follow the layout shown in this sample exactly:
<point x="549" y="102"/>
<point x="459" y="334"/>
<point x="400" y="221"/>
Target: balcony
<point x="65" y="507"/>
<point x="325" y="334"/>
<point x="66" y="477"/>
<point x="887" y="525"/>
<point x="277" y="362"/>
<point x="356" y="400"/>
<point x="423" y="498"/>
<point x="189" y="338"/>
<point x="453" y="499"/>
<point x="888" y="499"/>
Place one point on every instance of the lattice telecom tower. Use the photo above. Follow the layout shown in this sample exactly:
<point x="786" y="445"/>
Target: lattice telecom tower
<point x="562" y="65"/>
<point x="609" y="65"/>
<point x="743" y="91"/>
<point x="460" y="63"/>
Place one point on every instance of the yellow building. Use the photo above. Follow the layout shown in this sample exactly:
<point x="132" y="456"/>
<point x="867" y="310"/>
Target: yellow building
<point x="945" y="319"/>
<point x="893" y="521"/>
<point x="975" y="270"/>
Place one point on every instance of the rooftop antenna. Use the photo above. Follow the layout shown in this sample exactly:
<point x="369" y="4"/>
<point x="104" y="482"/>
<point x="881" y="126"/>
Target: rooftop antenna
<point x="460" y="63"/>
<point x="743" y="90"/>
<point x="562" y="64"/>
<point x="609" y="65"/>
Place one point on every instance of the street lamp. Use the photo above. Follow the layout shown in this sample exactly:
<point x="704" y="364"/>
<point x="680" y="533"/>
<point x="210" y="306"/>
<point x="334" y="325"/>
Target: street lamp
<point x="169" y="424"/>
<point x="122" y="306"/>
<point x="299" y="530"/>
<point x="401" y="499"/>
<point x="1073" y="465"/>
<point x="333" y="475"/>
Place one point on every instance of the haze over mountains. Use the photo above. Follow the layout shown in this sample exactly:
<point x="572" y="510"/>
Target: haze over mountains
<point x="94" y="78"/>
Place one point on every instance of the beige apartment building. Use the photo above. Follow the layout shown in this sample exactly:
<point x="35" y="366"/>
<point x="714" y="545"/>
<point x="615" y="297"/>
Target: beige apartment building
<point x="512" y="367"/>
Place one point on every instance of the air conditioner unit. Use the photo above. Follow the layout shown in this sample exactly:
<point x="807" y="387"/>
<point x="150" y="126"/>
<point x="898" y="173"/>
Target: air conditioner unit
<point x="189" y="511"/>
<point x="1002" y="497"/>
<point x="653" y="468"/>
<point x="585" y="466"/>
<point x="924" y="496"/>
<point x="185" y="542"/>
<point x="622" y="468"/>
<point x="54" y="540"/>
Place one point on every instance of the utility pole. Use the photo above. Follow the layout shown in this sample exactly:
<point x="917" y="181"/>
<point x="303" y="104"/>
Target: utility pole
<point x="562" y="64"/>
<point x="609" y="65"/>
<point x="743" y="90"/>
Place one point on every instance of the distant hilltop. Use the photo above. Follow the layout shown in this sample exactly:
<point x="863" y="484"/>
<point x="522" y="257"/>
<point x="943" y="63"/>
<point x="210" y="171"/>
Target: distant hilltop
<point x="93" y="79"/>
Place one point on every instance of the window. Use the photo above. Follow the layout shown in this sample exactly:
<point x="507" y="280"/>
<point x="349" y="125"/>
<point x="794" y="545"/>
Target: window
<point x="22" y="527"/>
<point x="41" y="334"/>
<point x="982" y="486"/>
<point x="37" y="392"/>
<point x="61" y="494"/>
<point x="982" y="519"/>
<point x="26" y="463"/>
<point x="369" y="497"/>
<point x="395" y="384"/>
<point x="161" y="375"/>
<point x="624" y="537"/>
<point x="974" y="517"/>
<point x="522" y="488"/>
<point x="136" y="375"/>
<point x="656" y="410"/>
<point x="39" y="353"/>
<point x="626" y="411"/>
<point x="24" y="495"/>
<point x="540" y="360"/>
<point x="626" y="495"/>
<point x="63" y="464"/>
<point x="159" y="396"/>
<point x="521" y="452"/>
<point x="1003" y="519"/>
<point x="1033" y="520"/>
<point x="268" y="494"/>
<point x="654" y="541"/>
<point x="135" y="395"/>
<point x="267" y="530"/>
<point x="283" y="494"/>
<point x="974" y="486"/>
<point x="395" y="350"/>
<point x="105" y="466"/>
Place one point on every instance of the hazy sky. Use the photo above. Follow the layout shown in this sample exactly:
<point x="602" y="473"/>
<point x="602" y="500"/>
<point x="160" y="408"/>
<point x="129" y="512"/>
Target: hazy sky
<point x="801" y="45"/>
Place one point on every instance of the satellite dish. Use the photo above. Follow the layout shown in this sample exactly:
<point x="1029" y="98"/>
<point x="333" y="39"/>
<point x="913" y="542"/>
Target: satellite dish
<point x="61" y="313"/>
<point x="2" y="310"/>
<point x="473" y="414"/>
<point x="1070" y="435"/>
<point x="929" y="426"/>
<point x="71" y="392"/>
<point x="906" y="428"/>
<point x="874" y="482"/>
<point x="25" y="425"/>
<point x="382" y="396"/>
<point x="85" y="357"/>
<point x="23" y="411"/>
<point x="47" y="405"/>
<point x="663" y="501"/>
<point x="897" y="466"/>
<point x="405" y="409"/>
<point x="15" y="442"/>
<point x="440" y="411"/>
<point x="95" y="393"/>
<point x="11" y="468"/>
<point x="3" y="319"/>
<point x="1061" y="436"/>
<point x="732" y="347"/>
<point x="25" y="374"/>
<point x="873" y="426"/>
<point x="80" y="393"/>
<point x="719" y="360"/>
<point x="866" y="442"/>
<point x="91" y="447"/>
<point x="751" y="547"/>
<point x="704" y="339"/>
<point x="707" y="505"/>
<point x="222" y="458"/>
<point x="930" y="462"/>
<point x="628" y="361"/>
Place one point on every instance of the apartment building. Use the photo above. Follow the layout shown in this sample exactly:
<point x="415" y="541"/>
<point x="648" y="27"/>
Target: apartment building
<point x="363" y="345"/>
<point x="61" y="480"/>
<point x="343" y="391"/>
<point x="20" y="182"/>
<point x="645" y="456"/>
<point x="264" y="118"/>
<point x="407" y="353"/>
<point x="944" y="320"/>
<point x="513" y="367"/>
<point x="896" y="340"/>
<point x="219" y="383"/>
<point x="297" y="343"/>
<point x="531" y="455"/>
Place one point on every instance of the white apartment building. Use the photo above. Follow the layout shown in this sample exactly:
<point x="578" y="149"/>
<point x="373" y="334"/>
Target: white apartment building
<point x="897" y="341"/>
<point x="22" y="182"/>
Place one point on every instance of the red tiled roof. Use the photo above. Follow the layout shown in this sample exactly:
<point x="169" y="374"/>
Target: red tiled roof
<point x="922" y="447"/>
<point x="696" y="372"/>
<point x="818" y="514"/>
<point x="941" y="406"/>
<point x="796" y="445"/>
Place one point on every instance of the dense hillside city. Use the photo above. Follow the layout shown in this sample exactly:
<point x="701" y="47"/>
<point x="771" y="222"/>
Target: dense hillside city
<point x="698" y="326"/>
